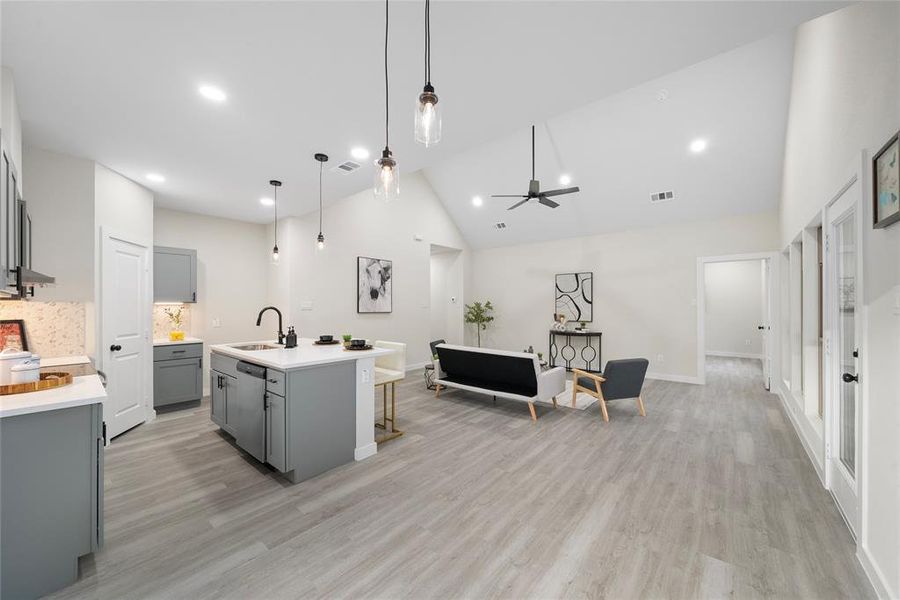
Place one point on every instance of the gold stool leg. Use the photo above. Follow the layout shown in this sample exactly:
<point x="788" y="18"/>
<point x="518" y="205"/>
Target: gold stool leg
<point x="393" y="432"/>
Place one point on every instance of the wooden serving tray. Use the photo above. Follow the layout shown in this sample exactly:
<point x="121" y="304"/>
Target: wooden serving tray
<point x="47" y="381"/>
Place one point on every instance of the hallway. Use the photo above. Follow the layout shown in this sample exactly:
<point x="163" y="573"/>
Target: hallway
<point x="710" y="495"/>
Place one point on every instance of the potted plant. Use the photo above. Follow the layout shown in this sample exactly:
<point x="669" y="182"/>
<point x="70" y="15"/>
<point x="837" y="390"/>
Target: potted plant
<point x="176" y="318"/>
<point x="346" y="337"/>
<point x="479" y="315"/>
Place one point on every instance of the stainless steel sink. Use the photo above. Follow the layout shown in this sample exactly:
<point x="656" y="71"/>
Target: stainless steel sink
<point x="254" y="347"/>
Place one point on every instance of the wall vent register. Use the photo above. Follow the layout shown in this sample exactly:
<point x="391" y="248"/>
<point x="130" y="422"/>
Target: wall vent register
<point x="662" y="196"/>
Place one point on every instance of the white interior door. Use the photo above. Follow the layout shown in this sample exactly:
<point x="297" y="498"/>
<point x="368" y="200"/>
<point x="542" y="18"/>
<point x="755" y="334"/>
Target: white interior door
<point x="124" y="316"/>
<point x="765" y="327"/>
<point x="843" y="296"/>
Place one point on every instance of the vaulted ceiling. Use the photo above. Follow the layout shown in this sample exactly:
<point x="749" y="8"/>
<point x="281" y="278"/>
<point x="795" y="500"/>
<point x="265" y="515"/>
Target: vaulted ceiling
<point x="117" y="82"/>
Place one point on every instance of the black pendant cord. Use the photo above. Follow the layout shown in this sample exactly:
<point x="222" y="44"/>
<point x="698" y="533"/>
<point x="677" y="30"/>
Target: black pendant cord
<point x="428" y="42"/>
<point x="386" y="92"/>
<point x="321" y="165"/>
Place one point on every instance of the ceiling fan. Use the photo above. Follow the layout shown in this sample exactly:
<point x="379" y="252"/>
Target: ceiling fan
<point x="534" y="188"/>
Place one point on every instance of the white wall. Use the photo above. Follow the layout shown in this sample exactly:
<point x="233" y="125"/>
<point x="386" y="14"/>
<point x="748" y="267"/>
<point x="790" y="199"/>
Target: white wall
<point x="845" y="99"/>
<point x="734" y="308"/>
<point x="645" y="287"/>
<point x="61" y="203"/>
<point x="362" y="226"/>
<point x="231" y="277"/>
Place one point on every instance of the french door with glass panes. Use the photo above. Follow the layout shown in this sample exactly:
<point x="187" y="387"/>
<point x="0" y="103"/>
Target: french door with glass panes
<point x="843" y="294"/>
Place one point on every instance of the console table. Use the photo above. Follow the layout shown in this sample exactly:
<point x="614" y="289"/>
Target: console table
<point x="589" y="357"/>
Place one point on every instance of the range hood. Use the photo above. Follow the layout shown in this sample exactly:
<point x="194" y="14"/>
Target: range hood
<point x="26" y="280"/>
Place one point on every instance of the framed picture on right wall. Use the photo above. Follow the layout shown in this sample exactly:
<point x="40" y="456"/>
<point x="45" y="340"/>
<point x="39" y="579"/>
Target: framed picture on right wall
<point x="886" y="182"/>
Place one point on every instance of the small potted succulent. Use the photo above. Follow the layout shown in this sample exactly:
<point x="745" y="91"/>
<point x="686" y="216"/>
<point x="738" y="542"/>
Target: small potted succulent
<point x="176" y="318"/>
<point x="346" y="337"/>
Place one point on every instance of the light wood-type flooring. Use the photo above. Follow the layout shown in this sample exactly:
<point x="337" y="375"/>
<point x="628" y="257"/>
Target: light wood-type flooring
<point x="710" y="495"/>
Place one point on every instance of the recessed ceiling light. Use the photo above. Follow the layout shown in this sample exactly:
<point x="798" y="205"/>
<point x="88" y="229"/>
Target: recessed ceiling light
<point x="564" y="179"/>
<point x="359" y="153"/>
<point x="698" y="145"/>
<point x="211" y="92"/>
<point x="155" y="177"/>
<point x="266" y="201"/>
<point x="477" y="201"/>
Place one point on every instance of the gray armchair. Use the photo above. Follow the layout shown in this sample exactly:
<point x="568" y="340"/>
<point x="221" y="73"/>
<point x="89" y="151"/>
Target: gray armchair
<point x="621" y="379"/>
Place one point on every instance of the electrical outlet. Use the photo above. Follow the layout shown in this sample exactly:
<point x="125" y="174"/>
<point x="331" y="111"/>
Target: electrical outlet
<point x="216" y="322"/>
<point x="746" y="342"/>
<point x="660" y="358"/>
<point x="306" y="305"/>
<point x="365" y="376"/>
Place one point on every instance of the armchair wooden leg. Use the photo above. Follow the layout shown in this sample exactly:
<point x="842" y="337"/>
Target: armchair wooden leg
<point x="602" y="403"/>
<point x="574" y="389"/>
<point x="641" y="407"/>
<point x="554" y="401"/>
<point x="533" y="414"/>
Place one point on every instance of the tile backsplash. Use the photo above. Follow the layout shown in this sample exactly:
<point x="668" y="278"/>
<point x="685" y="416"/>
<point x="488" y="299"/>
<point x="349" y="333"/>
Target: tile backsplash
<point x="161" y="323"/>
<point x="52" y="328"/>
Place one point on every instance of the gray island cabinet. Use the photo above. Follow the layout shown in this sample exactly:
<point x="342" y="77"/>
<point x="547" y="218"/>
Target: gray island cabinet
<point x="303" y="410"/>
<point x="51" y="487"/>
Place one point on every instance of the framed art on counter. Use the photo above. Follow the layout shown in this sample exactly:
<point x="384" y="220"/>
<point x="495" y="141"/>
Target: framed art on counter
<point x="12" y="334"/>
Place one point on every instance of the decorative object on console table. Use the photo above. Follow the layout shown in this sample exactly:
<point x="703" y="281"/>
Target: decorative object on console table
<point x="12" y="334"/>
<point x="479" y="314"/>
<point x="575" y="296"/>
<point x="886" y="181"/>
<point x="589" y="356"/>
<point x="373" y="287"/>
<point x="559" y="322"/>
<point x="176" y="318"/>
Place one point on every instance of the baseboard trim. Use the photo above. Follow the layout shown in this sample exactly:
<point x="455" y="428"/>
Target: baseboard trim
<point x="734" y="355"/>
<point x="365" y="451"/>
<point x="416" y="366"/>
<point x="801" y="434"/>
<point x="674" y="378"/>
<point x="876" y="577"/>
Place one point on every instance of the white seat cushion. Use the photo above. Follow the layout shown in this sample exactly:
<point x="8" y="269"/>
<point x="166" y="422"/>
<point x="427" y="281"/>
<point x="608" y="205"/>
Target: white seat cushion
<point x="383" y="376"/>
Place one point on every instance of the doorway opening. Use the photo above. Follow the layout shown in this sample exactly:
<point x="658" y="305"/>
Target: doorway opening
<point x="446" y="305"/>
<point x="735" y="313"/>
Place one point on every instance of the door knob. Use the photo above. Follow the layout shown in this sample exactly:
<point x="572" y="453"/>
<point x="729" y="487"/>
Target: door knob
<point x="115" y="348"/>
<point x="848" y="378"/>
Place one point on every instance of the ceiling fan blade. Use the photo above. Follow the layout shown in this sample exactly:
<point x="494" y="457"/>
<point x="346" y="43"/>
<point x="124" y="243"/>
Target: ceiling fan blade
<point x="508" y="196"/>
<point x="518" y="204"/>
<point x="570" y="190"/>
<point x="547" y="201"/>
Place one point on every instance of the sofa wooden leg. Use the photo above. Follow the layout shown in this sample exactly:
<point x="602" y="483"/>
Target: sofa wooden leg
<point x="437" y="390"/>
<point x="554" y="402"/>
<point x="641" y="407"/>
<point x="533" y="414"/>
<point x="574" y="390"/>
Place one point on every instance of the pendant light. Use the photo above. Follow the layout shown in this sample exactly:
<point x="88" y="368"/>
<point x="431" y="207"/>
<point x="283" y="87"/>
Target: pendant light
<point x="387" y="177"/>
<point x="320" y="239"/>
<point x="275" y="184"/>
<point x="428" y="113"/>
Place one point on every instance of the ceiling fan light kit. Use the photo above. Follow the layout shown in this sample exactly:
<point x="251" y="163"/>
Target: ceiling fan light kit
<point x="534" y="188"/>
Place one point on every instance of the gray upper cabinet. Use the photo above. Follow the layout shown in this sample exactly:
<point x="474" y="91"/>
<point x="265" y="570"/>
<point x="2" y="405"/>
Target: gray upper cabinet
<point x="174" y="274"/>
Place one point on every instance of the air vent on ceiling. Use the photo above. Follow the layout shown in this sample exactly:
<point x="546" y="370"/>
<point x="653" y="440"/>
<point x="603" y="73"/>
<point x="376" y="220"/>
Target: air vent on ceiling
<point x="662" y="196"/>
<point x="346" y="167"/>
<point x="500" y="225"/>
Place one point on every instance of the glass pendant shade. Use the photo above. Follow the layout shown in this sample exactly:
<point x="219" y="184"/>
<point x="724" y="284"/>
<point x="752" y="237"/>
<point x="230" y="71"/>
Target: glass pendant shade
<point x="275" y="253"/>
<point x="428" y="117"/>
<point x="320" y="241"/>
<point x="387" y="177"/>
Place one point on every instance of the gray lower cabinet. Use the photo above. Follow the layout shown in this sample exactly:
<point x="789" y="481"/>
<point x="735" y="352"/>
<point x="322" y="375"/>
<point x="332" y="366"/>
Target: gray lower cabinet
<point x="174" y="274"/>
<point x="51" y="492"/>
<point x="177" y="374"/>
<point x="276" y="431"/>
<point x="221" y="387"/>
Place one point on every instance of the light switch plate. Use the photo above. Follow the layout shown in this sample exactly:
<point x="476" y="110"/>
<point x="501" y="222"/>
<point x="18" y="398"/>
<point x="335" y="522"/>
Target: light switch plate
<point x="217" y="322"/>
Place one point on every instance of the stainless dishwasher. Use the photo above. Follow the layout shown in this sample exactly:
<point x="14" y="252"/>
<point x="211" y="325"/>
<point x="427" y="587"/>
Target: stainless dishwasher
<point x="250" y="429"/>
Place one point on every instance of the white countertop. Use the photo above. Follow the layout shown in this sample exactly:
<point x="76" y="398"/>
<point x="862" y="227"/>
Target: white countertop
<point x="306" y="354"/>
<point x="82" y="391"/>
<point x="168" y="342"/>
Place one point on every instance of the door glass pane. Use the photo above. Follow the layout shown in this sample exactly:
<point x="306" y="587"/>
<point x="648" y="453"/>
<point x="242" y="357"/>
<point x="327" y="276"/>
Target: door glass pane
<point x="845" y="261"/>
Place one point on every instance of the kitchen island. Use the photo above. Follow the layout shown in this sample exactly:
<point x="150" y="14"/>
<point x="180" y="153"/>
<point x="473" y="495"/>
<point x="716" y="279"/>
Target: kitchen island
<point x="303" y="410"/>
